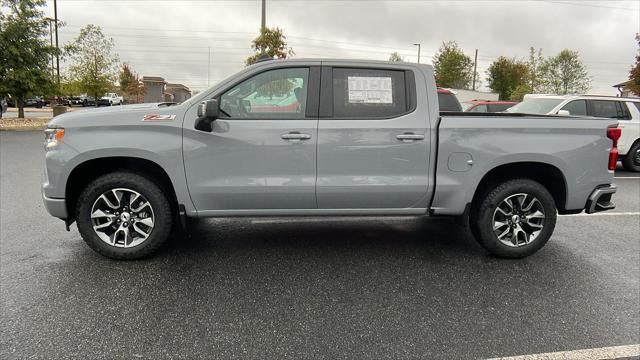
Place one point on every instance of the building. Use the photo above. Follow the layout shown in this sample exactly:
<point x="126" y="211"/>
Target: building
<point x="624" y="89"/>
<point x="153" y="89"/>
<point x="178" y="92"/>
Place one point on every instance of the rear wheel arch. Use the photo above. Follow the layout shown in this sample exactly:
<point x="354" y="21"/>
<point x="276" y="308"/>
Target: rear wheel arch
<point x="546" y="174"/>
<point x="84" y="173"/>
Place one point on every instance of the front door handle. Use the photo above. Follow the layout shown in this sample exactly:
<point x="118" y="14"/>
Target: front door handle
<point x="295" y="136"/>
<point x="410" y="137"/>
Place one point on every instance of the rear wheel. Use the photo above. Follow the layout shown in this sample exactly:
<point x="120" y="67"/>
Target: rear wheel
<point x="123" y="215"/>
<point x="514" y="219"/>
<point x="631" y="161"/>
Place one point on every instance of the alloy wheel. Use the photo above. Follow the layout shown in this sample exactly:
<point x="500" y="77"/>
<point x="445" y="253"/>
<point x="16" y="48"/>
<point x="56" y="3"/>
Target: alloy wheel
<point x="122" y="217"/>
<point x="518" y="220"/>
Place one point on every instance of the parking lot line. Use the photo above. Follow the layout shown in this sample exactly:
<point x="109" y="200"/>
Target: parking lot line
<point x="627" y="213"/>
<point x="627" y="177"/>
<point x="613" y="352"/>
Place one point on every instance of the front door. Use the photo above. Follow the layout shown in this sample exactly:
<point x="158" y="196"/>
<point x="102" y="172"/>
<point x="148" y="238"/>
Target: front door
<point x="373" y="147"/>
<point x="261" y="153"/>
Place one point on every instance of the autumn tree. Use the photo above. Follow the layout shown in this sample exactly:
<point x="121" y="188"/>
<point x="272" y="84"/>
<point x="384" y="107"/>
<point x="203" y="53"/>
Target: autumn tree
<point x="395" y="57"/>
<point x="634" y="73"/>
<point x="271" y="43"/>
<point x="24" y="52"/>
<point x="453" y="69"/>
<point x="94" y="64"/>
<point x="565" y="74"/>
<point x="130" y="84"/>
<point x="504" y="75"/>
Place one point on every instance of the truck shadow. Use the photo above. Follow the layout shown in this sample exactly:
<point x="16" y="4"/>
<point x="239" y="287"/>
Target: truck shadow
<point x="426" y="237"/>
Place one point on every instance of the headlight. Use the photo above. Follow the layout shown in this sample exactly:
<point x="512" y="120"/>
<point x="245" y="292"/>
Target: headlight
<point x="52" y="137"/>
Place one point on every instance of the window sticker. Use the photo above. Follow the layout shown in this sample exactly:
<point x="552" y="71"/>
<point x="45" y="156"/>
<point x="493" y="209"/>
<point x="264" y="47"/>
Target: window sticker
<point x="370" y="90"/>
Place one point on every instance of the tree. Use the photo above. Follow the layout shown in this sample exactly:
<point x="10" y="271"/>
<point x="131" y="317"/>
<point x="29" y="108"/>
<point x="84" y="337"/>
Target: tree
<point x="24" y="52"/>
<point x="130" y="83"/>
<point x="534" y="77"/>
<point x="634" y="73"/>
<point x="95" y="65"/>
<point x="395" y="57"/>
<point x="453" y="69"/>
<point x="505" y="75"/>
<point x="272" y="43"/>
<point x="565" y="74"/>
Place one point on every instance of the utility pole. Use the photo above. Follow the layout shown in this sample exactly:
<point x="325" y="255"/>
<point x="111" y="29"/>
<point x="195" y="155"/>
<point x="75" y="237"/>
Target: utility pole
<point x="475" y="68"/>
<point x="209" y="65"/>
<point x="55" y="16"/>
<point x="53" y="68"/>
<point x="418" y="45"/>
<point x="264" y="15"/>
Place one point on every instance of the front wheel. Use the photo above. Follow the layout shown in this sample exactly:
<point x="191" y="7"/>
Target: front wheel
<point x="514" y="219"/>
<point x="124" y="215"/>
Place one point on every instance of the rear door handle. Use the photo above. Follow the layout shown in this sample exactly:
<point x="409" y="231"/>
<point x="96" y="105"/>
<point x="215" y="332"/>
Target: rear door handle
<point x="410" y="137"/>
<point x="295" y="136"/>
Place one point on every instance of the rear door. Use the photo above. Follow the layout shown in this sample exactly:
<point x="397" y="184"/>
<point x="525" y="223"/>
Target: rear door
<point x="373" y="146"/>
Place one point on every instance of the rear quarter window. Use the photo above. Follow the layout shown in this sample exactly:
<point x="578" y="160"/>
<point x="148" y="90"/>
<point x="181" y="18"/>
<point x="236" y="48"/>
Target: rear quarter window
<point x="448" y="102"/>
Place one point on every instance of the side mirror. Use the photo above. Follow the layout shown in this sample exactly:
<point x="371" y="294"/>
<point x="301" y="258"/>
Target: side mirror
<point x="207" y="113"/>
<point x="564" y="112"/>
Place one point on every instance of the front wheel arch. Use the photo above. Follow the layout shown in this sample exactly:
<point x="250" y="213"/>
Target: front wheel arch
<point x="85" y="172"/>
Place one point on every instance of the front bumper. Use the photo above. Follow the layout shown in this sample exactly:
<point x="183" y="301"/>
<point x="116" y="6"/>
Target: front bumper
<point x="56" y="207"/>
<point x="600" y="199"/>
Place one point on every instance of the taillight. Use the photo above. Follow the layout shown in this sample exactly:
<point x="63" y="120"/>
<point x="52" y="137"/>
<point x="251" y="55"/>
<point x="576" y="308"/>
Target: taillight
<point x="613" y="133"/>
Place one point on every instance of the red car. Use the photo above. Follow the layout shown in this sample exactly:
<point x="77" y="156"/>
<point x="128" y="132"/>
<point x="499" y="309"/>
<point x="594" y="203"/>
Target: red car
<point x="487" y="106"/>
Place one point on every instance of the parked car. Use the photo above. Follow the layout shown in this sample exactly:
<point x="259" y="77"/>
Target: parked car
<point x="447" y="100"/>
<point x="487" y="105"/>
<point x="110" y="99"/>
<point x="35" y="102"/>
<point x="369" y="139"/>
<point x="626" y="110"/>
<point x="82" y="100"/>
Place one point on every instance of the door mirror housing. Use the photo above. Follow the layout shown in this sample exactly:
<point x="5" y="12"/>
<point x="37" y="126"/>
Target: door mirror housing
<point x="208" y="112"/>
<point x="564" y="112"/>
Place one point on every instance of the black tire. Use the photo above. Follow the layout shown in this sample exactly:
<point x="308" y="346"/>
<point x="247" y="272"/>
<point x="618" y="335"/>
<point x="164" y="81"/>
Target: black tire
<point x="155" y="195"/>
<point x="630" y="162"/>
<point x="482" y="217"/>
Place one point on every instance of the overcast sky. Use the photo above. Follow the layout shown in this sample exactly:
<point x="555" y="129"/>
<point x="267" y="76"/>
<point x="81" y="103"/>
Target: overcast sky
<point x="172" y="38"/>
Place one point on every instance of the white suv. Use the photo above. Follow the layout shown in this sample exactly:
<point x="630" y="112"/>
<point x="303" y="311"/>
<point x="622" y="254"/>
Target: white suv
<point x="627" y="110"/>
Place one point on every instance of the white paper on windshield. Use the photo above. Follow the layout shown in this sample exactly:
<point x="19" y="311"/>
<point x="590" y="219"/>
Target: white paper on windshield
<point x="370" y="90"/>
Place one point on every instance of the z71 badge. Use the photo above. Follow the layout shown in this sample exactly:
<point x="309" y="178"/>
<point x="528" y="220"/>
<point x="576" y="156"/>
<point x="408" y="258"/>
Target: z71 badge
<point x="156" y="117"/>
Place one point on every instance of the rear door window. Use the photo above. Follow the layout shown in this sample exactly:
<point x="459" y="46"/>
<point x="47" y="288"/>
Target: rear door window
<point x="479" y="108"/>
<point x="576" y="107"/>
<point x="498" y="107"/>
<point x="604" y="109"/>
<point x="368" y="93"/>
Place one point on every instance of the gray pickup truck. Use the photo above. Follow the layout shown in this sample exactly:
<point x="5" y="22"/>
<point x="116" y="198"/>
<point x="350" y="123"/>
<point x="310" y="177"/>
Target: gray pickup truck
<point x="322" y="137"/>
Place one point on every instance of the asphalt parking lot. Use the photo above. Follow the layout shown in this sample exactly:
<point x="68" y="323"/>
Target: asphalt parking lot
<point x="310" y="288"/>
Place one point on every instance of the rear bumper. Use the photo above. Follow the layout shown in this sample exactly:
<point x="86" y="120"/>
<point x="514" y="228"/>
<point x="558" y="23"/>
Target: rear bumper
<point x="56" y="207"/>
<point x="600" y="199"/>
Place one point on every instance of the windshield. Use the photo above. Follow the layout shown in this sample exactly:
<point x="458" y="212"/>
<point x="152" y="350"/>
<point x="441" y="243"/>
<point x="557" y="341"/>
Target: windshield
<point x="535" y="106"/>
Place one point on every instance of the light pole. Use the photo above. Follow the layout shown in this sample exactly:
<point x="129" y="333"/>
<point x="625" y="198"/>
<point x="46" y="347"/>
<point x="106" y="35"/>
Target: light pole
<point x="50" y="20"/>
<point x="55" y="16"/>
<point x="418" y="45"/>
<point x="264" y="15"/>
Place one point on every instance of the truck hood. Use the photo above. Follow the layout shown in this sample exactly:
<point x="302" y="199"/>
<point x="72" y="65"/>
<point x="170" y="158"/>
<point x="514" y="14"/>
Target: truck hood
<point x="114" y="115"/>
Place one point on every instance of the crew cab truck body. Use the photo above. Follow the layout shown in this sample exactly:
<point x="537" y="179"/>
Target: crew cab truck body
<point x="322" y="137"/>
<point x="110" y="99"/>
